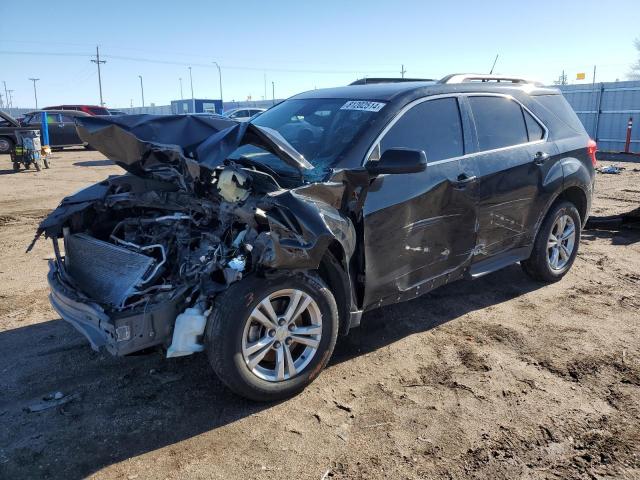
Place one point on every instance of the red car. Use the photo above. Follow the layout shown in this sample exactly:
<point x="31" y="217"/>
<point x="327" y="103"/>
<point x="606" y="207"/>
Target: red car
<point x="90" y="109"/>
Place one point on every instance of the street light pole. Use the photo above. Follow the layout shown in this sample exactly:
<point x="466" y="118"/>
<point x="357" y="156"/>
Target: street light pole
<point x="181" y="97"/>
<point x="219" y="79"/>
<point x="193" y="100"/>
<point x="35" y="92"/>
<point x="273" y="93"/>
<point x="141" y="89"/>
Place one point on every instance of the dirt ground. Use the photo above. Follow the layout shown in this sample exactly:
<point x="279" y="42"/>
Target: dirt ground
<point x="497" y="378"/>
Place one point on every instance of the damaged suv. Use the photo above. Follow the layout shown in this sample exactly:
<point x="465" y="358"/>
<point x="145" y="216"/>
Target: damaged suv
<point x="260" y="242"/>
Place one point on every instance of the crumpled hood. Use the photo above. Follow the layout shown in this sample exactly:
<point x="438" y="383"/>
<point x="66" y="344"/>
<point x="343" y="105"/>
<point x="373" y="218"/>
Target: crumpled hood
<point x="177" y="147"/>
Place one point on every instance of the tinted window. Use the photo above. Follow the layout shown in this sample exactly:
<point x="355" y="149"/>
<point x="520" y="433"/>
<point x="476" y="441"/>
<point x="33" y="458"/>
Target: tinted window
<point x="499" y="122"/>
<point x="433" y="126"/>
<point x="36" y="118"/>
<point x="534" y="129"/>
<point x="562" y="110"/>
<point x="94" y="110"/>
<point x="68" y="119"/>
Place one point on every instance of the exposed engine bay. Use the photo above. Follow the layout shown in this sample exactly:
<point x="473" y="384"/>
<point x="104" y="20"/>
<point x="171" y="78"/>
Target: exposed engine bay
<point x="136" y="248"/>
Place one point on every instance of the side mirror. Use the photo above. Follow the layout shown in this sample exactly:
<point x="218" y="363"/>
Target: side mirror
<point x="398" y="160"/>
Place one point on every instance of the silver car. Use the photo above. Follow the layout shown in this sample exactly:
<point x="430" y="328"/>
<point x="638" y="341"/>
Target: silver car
<point x="243" y="114"/>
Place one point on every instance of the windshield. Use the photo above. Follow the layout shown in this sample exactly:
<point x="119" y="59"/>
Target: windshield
<point x="319" y="129"/>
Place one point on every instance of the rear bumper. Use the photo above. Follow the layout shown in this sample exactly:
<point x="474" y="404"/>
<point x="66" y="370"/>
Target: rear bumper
<point x="121" y="333"/>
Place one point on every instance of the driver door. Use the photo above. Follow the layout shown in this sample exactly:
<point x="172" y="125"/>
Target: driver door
<point x="419" y="229"/>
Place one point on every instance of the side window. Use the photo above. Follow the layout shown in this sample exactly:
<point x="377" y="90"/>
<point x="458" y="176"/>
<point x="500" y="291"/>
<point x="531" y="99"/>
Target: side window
<point x="433" y="126"/>
<point x="499" y="122"/>
<point x="534" y="129"/>
<point x="68" y="118"/>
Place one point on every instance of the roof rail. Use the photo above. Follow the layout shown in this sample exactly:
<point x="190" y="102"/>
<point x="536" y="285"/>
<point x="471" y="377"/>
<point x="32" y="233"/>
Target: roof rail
<point x="483" y="78"/>
<point x="370" y="80"/>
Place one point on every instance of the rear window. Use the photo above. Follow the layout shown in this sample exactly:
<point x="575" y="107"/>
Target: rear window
<point x="433" y="126"/>
<point x="499" y="122"/>
<point x="97" y="111"/>
<point x="560" y="108"/>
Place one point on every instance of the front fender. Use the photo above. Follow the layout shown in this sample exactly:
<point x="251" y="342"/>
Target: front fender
<point x="303" y="224"/>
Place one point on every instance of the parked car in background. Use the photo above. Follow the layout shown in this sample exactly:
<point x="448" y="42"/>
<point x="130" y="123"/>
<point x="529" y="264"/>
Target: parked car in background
<point x="8" y="126"/>
<point x="62" y="126"/>
<point x="88" y="109"/>
<point x="243" y="114"/>
<point x="116" y="112"/>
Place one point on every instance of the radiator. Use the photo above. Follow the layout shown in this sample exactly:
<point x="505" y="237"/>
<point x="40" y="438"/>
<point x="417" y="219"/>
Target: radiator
<point x="105" y="272"/>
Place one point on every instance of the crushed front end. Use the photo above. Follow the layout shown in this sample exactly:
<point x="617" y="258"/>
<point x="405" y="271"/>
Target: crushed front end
<point x="140" y="257"/>
<point x="140" y="253"/>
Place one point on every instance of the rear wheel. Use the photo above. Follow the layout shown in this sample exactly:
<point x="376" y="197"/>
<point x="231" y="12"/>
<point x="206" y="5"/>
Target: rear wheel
<point x="556" y="244"/>
<point x="267" y="339"/>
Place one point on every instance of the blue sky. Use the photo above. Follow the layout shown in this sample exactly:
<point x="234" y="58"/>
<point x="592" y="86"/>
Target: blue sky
<point x="298" y="45"/>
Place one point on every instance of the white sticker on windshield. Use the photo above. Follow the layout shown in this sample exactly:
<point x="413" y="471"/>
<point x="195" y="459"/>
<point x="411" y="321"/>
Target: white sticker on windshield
<point x="363" y="106"/>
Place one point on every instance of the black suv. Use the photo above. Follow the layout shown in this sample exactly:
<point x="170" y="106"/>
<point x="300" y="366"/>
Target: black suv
<point x="260" y="242"/>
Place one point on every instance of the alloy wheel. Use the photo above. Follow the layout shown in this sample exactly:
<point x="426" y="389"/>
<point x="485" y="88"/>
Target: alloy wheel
<point x="282" y="335"/>
<point x="561" y="242"/>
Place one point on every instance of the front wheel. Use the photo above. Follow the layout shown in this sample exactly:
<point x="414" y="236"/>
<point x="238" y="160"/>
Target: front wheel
<point x="556" y="244"/>
<point x="267" y="339"/>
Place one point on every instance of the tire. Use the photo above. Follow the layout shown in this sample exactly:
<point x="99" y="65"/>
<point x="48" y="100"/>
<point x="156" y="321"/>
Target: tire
<point x="230" y="324"/>
<point x="540" y="265"/>
<point x="6" y="145"/>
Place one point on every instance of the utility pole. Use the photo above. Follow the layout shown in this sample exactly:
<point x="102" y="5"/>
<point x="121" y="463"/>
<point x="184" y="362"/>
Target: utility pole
<point x="273" y="92"/>
<point x="265" y="86"/>
<point x="141" y="89"/>
<point x="97" y="61"/>
<point x="402" y="71"/>
<point x="1" y="103"/>
<point x="10" y="101"/>
<point x="6" y="95"/>
<point x="181" y="97"/>
<point x="35" y="92"/>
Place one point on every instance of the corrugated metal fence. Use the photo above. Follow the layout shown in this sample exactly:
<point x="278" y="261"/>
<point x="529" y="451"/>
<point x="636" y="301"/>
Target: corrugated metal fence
<point x="605" y="109"/>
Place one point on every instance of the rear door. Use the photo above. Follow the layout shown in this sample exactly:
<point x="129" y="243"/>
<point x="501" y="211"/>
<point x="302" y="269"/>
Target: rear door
<point x="69" y="132"/>
<point x="419" y="227"/>
<point x="512" y="150"/>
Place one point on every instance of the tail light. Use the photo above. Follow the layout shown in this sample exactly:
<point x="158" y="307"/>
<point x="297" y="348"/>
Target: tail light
<point x="592" y="148"/>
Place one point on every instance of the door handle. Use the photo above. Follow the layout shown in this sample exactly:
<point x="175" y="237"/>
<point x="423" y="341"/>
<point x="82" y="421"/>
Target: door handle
<point x="540" y="158"/>
<point x="463" y="180"/>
